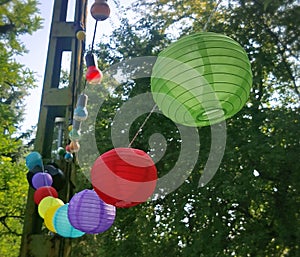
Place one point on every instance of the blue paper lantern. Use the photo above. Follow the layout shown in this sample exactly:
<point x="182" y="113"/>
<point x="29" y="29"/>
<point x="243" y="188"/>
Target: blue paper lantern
<point x="62" y="224"/>
<point x="34" y="159"/>
<point x="88" y="213"/>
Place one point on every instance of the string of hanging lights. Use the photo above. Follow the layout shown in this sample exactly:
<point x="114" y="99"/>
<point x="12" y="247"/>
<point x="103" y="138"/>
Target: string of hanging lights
<point x="86" y="212"/>
<point x="199" y="80"/>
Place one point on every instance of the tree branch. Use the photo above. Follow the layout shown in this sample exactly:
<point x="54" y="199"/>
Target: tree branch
<point x="3" y="221"/>
<point x="282" y="50"/>
<point x="6" y="28"/>
<point x="2" y="2"/>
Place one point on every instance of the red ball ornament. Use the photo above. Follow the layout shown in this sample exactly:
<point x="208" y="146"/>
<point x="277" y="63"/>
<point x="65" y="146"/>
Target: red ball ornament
<point x="100" y="10"/>
<point x="43" y="192"/>
<point x="124" y="177"/>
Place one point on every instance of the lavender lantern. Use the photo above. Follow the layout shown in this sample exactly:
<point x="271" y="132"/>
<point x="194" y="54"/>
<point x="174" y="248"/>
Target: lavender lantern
<point x="41" y="179"/>
<point x="88" y="213"/>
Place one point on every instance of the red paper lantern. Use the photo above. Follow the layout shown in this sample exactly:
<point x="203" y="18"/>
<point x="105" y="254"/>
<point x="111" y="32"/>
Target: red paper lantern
<point x="124" y="177"/>
<point x="43" y="192"/>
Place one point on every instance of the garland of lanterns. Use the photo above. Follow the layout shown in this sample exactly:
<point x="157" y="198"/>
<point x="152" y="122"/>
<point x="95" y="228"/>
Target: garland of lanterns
<point x="213" y="79"/>
<point x="86" y="212"/>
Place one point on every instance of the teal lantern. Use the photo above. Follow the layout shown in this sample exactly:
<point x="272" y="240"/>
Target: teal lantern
<point x="201" y="79"/>
<point x="34" y="159"/>
<point x="62" y="224"/>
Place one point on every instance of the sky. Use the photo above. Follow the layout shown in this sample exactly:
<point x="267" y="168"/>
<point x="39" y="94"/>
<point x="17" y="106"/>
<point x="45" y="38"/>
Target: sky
<point x="37" y="45"/>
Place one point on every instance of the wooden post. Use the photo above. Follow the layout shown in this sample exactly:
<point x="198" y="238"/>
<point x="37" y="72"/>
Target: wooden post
<point x="55" y="102"/>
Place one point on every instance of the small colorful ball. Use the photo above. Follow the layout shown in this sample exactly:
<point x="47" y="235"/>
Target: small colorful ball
<point x="61" y="151"/>
<point x="100" y="10"/>
<point x="68" y="157"/>
<point x="31" y="173"/>
<point x="74" y="135"/>
<point x="67" y="148"/>
<point x="80" y="35"/>
<point x="74" y="147"/>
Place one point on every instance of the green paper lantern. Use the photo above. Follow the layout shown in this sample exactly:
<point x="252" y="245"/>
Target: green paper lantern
<point x="201" y="79"/>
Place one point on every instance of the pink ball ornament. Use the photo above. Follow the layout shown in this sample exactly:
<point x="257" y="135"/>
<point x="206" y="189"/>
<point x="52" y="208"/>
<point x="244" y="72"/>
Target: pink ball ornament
<point x="100" y="10"/>
<point x="68" y="148"/>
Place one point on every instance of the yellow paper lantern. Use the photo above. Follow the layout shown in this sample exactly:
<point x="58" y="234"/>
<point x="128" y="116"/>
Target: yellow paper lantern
<point x="48" y="218"/>
<point x="48" y="202"/>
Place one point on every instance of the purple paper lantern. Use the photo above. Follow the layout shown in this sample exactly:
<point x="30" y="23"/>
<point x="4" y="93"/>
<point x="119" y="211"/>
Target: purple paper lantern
<point x="88" y="213"/>
<point x="41" y="179"/>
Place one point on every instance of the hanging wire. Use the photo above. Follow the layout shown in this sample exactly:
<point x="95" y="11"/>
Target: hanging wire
<point x="211" y="15"/>
<point x="143" y="124"/>
<point x="147" y="118"/>
<point x="92" y="49"/>
<point x="93" y="41"/>
<point x="43" y="168"/>
<point x="154" y="107"/>
<point x="85" y="83"/>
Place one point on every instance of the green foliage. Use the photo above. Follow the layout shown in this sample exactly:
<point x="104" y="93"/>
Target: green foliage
<point x="16" y="18"/>
<point x="15" y="79"/>
<point x="13" y="194"/>
<point x="251" y="206"/>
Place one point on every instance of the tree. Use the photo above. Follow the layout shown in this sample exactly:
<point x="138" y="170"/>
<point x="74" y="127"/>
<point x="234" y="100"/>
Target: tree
<point x="16" y="18"/>
<point x="251" y="207"/>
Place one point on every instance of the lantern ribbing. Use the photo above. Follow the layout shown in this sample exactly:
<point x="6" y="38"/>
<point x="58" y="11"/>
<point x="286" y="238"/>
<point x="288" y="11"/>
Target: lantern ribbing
<point x="147" y="118"/>
<point x="201" y="79"/>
